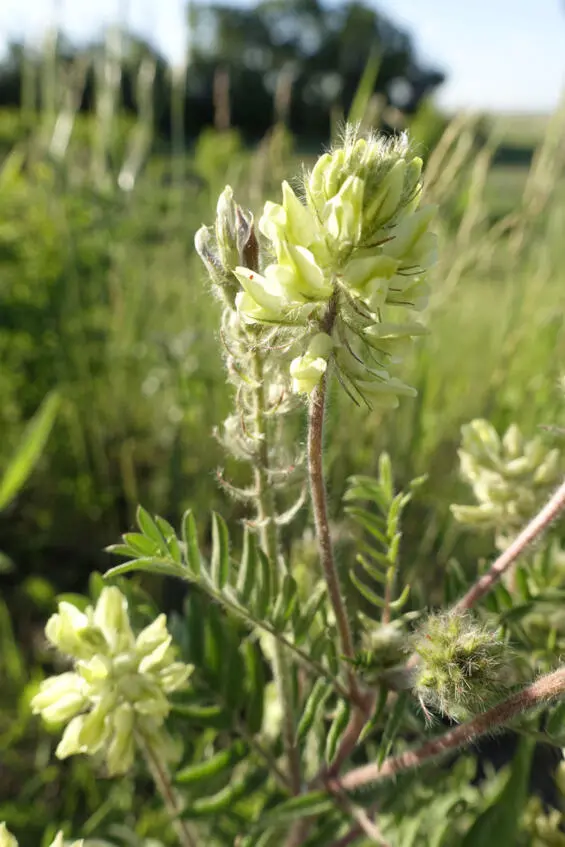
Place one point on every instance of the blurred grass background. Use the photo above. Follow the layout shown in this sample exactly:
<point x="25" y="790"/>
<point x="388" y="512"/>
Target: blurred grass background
<point x="103" y="299"/>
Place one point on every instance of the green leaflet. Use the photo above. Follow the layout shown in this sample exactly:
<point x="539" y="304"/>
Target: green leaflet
<point x="222" y="761"/>
<point x="220" y="564"/>
<point x="29" y="450"/>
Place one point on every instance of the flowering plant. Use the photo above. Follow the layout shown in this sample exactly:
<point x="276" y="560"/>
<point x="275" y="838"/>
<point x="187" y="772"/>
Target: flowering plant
<point x="288" y="673"/>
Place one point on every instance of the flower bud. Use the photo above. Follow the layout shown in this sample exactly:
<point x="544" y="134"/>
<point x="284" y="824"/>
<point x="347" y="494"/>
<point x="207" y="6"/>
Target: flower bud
<point x="60" y="697"/>
<point x="111" y="617"/>
<point x="72" y="632"/>
<point x="152" y="636"/>
<point x="343" y="214"/>
<point x="70" y="743"/>
<point x="549" y="470"/>
<point x="230" y="243"/>
<point x="307" y="370"/>
<point x="513" y="442"/>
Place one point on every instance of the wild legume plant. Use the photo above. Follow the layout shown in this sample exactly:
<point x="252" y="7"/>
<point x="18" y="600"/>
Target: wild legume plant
<point x="299" y="705"/>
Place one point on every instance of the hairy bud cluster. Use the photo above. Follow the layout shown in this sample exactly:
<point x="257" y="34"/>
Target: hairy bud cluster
<point x="511" y="478"/>
<point x="9" y="840"/>
<point x="462" y="664"/>
<point x="262" y="386"/>
<point x="358" y="243"/>
<point x="230" y="242"/>
<point x="119" y="686"/>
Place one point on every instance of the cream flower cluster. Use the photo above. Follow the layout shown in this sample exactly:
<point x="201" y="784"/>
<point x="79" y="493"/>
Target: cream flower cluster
<point x="9" y="840"/>
<point x="119" y="686"/>
<point x="511" y="478"/>
<point x="360" y="242"/>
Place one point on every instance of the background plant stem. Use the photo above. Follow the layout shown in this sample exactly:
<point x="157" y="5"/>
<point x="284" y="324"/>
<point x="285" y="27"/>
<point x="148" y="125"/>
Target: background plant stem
<point x="268" y="537"/>
<point x="539" y="524"/>
<point x="161" y="777"/>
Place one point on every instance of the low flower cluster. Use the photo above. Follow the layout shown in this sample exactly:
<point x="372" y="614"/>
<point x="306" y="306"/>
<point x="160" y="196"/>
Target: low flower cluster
<point x="511" y="478"/>
<point x="117" y="692"/>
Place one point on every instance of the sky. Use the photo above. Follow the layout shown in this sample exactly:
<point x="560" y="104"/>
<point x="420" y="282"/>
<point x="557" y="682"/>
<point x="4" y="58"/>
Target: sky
<point x="499" y="55"/>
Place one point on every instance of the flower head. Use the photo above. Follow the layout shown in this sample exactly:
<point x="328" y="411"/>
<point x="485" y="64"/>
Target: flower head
<point x="359" y="243"/>
<point x="119" y="684"/>
<point x="511" y="478"/>
<point x="349" y="243"/>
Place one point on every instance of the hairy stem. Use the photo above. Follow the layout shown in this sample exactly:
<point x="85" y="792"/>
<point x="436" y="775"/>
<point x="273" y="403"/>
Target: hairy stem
<point x="539" y="524"/>
<point x="161" y="777"/>
<point x="319" y="505"/>
<point x="268" y="537"/>
<point x="539" y="693"/>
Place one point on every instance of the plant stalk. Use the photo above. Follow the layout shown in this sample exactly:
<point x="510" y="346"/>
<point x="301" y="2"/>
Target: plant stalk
<point x="268" y="537"/>
<point x="539" y="524"/>
<point x="319" y="505"/>
<point x="161" y="777"/>
<point x="539" y="693"/>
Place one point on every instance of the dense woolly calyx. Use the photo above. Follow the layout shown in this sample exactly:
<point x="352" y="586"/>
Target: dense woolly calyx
<point x="462" y="664"/>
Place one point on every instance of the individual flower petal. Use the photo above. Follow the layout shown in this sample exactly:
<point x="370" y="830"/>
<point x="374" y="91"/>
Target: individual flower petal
<point x="513" y="442"/>
<point x="291" y="222"/>
<point x="343" y="214"/>
<point x="272" y="222"/>
<point x="60" y="697"/>
<point x="111" y="617"/>
<point x="265" y="297"/>
<point x="174" y="676"/>
<point x="306" y="372"/>
<point x="316" y="185"/>
<point x="121" y="749"/>
<point x="70" y="743"/>
<point x="72" y="632"/>
<point x="308" y="280"/>
<point x="152" y="636"/>
<point x="94" y="670"/>
<point x="154" y="659"/>
<point x="301" y="225"/>
<point x="95" y="726"/>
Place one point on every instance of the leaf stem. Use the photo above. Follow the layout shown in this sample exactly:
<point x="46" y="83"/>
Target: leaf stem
<point x="541" y="692"/>
<point x="161" y="777"/>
